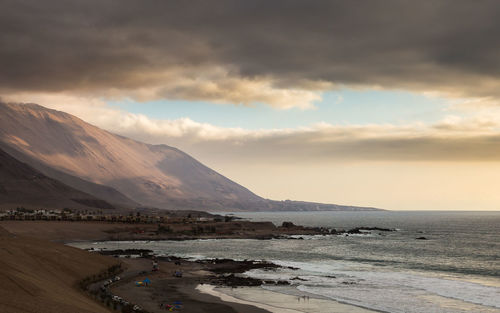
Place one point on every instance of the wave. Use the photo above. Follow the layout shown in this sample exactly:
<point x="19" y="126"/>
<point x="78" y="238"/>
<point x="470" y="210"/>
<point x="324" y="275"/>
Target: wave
<point x="388" y="291"/>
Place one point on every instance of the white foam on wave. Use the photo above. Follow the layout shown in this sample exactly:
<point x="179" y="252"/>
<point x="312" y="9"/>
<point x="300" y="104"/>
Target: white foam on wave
<point x="312" y="237"/>
<point x="394" y="299"/>
<point x="415" y="283"/>
<point x="190" y="256"/>
<point x="327" y="268"/>
<point x="278" y="274"/>
<point x="388" y="291"/>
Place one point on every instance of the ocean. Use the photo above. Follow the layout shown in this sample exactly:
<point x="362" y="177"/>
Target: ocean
<point x="457" y="269"/>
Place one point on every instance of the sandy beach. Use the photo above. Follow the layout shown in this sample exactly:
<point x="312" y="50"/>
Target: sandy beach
<point x="40" y="276"/>
<point x="167" y="289"/>
<point x="276" y="302"/>
<point x="203" y="287"/>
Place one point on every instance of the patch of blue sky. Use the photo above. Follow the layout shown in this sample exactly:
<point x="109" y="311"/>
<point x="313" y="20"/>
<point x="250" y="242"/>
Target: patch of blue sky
<point x="343" y="107"/>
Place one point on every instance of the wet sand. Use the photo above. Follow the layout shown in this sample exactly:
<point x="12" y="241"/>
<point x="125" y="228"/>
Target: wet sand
<point x="276" y="302"/>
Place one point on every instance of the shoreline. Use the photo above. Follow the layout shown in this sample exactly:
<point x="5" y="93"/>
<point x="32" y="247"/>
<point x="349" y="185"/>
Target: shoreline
<point x="167" y="289"/>
<point x="437" y="289"/>
<point x="210" y="284"/>
<point x="285" y="303"/>
<point x="64" y="231"/>
<point x="67" y="232"/>
<point x="210" y="289"/>
<point x="77" y="232"/>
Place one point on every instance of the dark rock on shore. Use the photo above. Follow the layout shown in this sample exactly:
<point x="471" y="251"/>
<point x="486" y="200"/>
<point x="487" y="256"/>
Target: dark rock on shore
<point x="228" y="272"/>
<point x="232" y="280"/>
<point x="359" y="230"/>
<point x="288" y="225"/>
<point x="141" y="252"/>
<point x="232" y="266"/>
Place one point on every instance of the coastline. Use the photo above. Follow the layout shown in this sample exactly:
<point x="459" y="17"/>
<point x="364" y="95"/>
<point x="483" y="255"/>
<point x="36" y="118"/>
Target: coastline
<point x="167" y="289"/>
<point x="196" y="273"/>
<point x="53" y="290"/>
<point x="276" y="302"/>
<point x="328" y="274"/>
<point x="209" y="286"/>
<point x="211" y="290"/>
<point x="66" y="232"/>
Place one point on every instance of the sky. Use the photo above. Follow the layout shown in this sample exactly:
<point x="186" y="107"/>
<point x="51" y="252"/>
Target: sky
<point x="390" y="104"/>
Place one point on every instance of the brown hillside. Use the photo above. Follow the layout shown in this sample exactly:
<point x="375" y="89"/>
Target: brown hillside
<point x="41" y="277"/>
<point x="88" y="158"/>
<point x="153" y="175"/>
<point x="22" y="185"/>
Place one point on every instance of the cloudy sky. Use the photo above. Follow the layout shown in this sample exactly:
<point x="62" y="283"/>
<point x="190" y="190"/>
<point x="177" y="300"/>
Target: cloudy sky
<point x="392" y="104"/>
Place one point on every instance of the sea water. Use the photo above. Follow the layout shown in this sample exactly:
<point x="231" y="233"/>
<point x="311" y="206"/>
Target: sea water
<point x="457" y="269"/>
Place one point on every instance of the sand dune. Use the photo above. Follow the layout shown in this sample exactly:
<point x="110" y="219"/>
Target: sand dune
<point x="41" y="277"/>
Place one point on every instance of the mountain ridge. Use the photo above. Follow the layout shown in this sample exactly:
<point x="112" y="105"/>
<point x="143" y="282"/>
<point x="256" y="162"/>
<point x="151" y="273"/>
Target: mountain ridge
<point x="60" y="144"/>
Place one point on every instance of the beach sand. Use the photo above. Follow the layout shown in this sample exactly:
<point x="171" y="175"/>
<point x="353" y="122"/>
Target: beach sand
<point x="198" y="296"/>
<point x="195" y="289"/>
<point x="278" y="302"/>
<point x="165" y="288"/>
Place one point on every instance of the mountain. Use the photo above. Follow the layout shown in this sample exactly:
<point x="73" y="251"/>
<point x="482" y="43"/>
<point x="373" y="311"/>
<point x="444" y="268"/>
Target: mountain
<point x="81" y="155"/>
<point x="153" y="175"/>
<point x="22" y="185"/>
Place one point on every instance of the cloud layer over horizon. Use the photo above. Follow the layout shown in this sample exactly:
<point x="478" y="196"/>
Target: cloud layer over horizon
<point x="470" y="139"/>
<point x="282" y="53"/>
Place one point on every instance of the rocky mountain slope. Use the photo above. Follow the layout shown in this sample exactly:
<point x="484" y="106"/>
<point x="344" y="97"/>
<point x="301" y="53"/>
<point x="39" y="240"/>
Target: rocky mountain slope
<point x="63" y="146"/>
<point x="23" y="186"/>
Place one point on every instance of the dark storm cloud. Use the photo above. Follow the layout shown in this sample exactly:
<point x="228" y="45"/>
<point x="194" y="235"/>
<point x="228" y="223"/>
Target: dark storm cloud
<point x="99" y="46"/>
